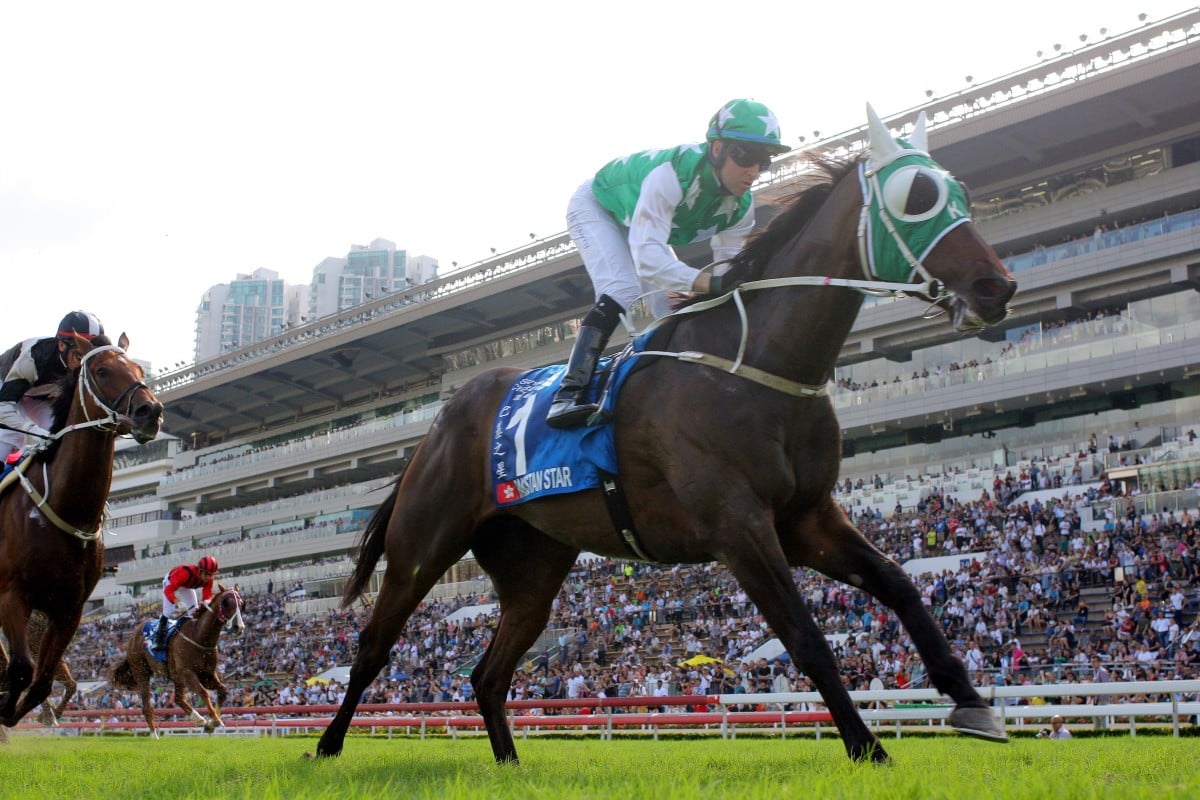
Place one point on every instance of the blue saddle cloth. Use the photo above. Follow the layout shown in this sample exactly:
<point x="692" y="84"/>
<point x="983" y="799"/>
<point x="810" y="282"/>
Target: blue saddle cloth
<point x="148" y="631"/>
<point x="530" y="459"/>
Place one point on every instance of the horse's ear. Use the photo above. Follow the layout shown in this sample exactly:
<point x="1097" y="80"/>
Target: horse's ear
<point x="123" y="341"/>
<point x="920" y="139"/>
<point x="81" y="344"/>
<point x="883" y="146"/>
<point x="220" y="587"/>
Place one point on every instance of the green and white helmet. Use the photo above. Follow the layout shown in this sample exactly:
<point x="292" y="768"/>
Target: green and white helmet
<point x="747" y="121"/>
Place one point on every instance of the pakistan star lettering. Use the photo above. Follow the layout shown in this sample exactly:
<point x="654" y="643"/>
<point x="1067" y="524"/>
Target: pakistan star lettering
<point x="543" y="480"/>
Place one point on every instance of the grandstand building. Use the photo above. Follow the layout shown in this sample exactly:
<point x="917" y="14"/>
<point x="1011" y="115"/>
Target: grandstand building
<point x="1084" y="171"/>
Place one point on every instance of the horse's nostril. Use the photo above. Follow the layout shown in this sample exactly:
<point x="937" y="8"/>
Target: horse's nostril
<point x="148" y="412"/>
<point x="995" y="290"/>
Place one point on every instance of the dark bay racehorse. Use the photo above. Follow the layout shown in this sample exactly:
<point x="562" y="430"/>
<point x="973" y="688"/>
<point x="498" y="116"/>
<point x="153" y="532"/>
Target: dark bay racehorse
<point x="51" y="547"/>
<point x="191" y="660"/>
<point x="716" y="466"/>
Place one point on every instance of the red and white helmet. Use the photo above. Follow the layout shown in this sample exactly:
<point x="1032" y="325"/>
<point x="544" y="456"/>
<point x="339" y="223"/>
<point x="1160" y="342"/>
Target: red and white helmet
<point x="208" y="564"/>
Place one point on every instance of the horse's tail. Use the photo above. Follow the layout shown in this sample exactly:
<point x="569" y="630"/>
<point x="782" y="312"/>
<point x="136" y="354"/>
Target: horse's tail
<point x="370" y="547"/>
<point x="122" y="675"/>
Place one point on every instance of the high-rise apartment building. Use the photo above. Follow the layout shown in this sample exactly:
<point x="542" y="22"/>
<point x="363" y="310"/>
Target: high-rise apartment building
<point x="261" y="305"/>
<point x="366" y="273"/>
<point x="248" y="309"/>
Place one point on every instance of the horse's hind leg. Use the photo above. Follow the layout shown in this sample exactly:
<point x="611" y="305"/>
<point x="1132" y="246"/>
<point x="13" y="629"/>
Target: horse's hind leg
<point x="527" y="569"/>
<point x="827" y="542"/>
<point x="416" y="560"/>
<point x="142" y="673"/>
<point x="63" y="675"/>
<point x="50" y="715"/>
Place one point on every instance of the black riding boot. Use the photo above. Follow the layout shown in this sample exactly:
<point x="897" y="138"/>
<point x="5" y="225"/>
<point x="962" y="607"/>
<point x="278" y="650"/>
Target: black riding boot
<point x="160" y="635"/>
<point x="570" y="408"/>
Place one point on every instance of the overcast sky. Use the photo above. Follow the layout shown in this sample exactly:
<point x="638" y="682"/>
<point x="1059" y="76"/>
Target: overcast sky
<point x="149" y="150"/>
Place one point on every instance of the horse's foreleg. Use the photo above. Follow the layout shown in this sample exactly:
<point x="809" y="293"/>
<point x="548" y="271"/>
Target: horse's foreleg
<point x="214" y="716"/>
<point x="527" y="569"/>
<point x="14" y="619"/>
<point x="189" y="683"/>
<point x="212" y="683"/>
<point x="761" y="569"/>
<point x="828" y="543"/>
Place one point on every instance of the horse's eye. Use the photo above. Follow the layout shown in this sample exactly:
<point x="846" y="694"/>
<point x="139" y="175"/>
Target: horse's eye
<point x="914" y="194"/>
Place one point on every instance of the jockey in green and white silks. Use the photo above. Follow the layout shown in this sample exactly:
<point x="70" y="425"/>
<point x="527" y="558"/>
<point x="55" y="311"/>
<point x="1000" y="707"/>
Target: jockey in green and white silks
<point x="628" y="218"/>
<point x="667" y="198"/>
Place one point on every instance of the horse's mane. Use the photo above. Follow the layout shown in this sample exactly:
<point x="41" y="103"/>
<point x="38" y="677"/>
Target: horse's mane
<point x="798" y="211"/>
<point x="62" y="403"/>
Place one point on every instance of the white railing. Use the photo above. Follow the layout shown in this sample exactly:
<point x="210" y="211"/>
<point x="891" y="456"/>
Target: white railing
<point x="1182" y="708"/>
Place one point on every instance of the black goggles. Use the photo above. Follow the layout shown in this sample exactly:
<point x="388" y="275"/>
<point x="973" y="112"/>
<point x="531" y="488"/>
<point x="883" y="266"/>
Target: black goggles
<point x="748" y="155"/>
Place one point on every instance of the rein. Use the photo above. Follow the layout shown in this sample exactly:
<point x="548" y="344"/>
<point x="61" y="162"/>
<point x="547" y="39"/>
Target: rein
<point x="196" y="644"/>
<point x="931" y="290"/>
<point x="111" y="422"/>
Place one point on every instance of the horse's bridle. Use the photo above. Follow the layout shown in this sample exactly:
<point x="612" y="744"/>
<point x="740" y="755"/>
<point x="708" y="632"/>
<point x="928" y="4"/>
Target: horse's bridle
<point x="111" y="422"/>
<point x="221" y="618"/>
<point x="113" y="419"/>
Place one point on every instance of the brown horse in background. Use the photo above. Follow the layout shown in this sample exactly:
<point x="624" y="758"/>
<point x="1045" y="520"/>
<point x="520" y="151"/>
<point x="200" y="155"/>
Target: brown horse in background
<point x="191" y="659"/>
<point x="716" y="465"/>
<point x="51" y="545"/>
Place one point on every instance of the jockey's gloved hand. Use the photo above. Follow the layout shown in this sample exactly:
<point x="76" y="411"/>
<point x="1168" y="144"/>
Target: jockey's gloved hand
<point x="38" y="430"/>
<point x="723" y="284"/>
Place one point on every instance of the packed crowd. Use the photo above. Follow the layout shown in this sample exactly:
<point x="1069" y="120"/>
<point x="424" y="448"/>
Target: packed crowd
<point x="1016" y="609"/>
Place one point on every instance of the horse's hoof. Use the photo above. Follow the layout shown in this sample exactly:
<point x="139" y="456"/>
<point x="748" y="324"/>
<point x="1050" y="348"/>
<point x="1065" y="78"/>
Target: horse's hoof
<point x="872" y="752"/>
<point x="978" y="722"/>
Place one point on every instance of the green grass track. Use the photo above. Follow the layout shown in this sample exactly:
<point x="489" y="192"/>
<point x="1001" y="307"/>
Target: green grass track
<point x="923" y="768"/>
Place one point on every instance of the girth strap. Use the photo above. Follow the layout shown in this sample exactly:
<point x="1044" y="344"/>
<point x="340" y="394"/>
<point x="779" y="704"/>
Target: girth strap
<point x="621" y="516"/>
